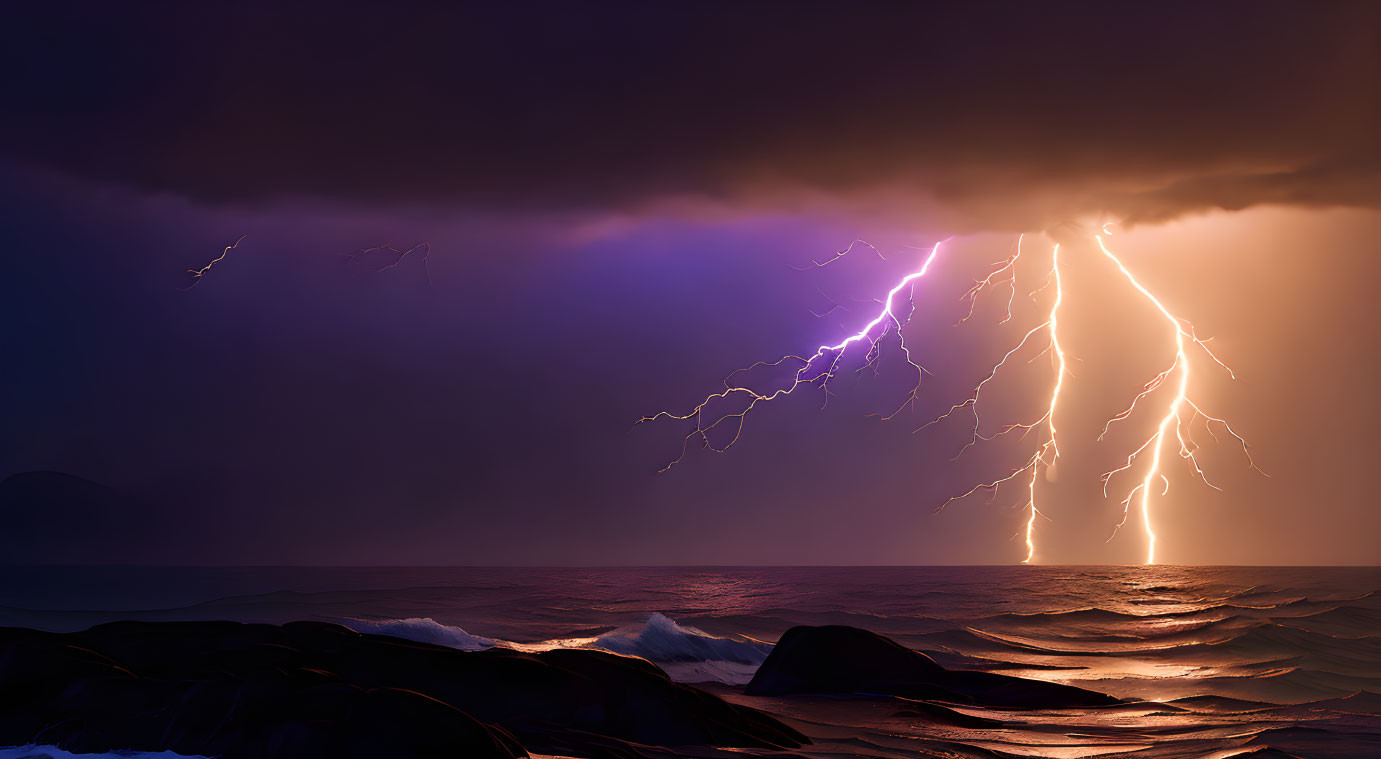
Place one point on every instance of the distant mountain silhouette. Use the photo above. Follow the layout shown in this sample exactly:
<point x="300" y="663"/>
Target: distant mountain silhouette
<point x="58" y="518"/>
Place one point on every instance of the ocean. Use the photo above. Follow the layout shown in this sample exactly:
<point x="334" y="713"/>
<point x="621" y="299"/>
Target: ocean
<point x="1212" y="661"/>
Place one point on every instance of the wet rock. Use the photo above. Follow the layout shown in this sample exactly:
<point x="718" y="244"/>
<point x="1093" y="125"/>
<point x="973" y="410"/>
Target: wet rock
<point x="845" y="660"/>
<point x="309" y="689"/>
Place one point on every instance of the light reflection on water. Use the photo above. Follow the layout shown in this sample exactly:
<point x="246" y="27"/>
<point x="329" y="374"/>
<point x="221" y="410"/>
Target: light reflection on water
<point x="1264" y="636"/>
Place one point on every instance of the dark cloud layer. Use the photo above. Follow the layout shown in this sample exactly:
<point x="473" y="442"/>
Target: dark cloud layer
<point x="478" y="406"/>
<point x="1143" y="110"/>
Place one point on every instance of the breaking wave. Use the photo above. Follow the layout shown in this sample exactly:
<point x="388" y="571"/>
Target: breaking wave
<point x="661" y="639"/>
<point x="1214" y="662"/>
<point x="686" y="654"/>
<point x="423" y="630"/>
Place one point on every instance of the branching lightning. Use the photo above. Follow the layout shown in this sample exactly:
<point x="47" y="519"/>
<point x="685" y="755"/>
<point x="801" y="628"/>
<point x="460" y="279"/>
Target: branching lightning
<point x="821" y="366"/>
<point x="197" y="274"/>
<point x="1172" y="420"/>
<point x="396" y="257"/>
<point x="838" y="254"/>
<point x="1049" y="450"/>
<point x="1003" y="267"/>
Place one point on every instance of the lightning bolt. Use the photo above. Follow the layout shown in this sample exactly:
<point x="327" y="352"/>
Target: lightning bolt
<point x="1051" y="445"/>
<point x="838" y="254"/>
<point x="397" y="256"/>
<point x="818" y="368"/>
<point x="823" y="364"/>
<point x="989" y="281"/>
<point x="1172" y="420"/>
<point x="197" y="274"/>
<point x="1048" y="452"/>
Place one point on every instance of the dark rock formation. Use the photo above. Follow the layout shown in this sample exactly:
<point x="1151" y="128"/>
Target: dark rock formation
<point x="310" y="689"/>
<point x="850" y="661"/>
<point x="838" y="659"/>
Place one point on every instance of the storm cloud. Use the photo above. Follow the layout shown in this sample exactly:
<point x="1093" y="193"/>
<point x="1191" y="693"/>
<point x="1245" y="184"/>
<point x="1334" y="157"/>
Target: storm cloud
<point x="1006" y="114"/>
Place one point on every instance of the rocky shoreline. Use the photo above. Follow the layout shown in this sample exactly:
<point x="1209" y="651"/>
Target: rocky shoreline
<point x="313" y="689"/>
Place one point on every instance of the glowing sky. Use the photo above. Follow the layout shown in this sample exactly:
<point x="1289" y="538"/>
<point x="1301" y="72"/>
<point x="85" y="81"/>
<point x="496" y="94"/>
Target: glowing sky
<point x="614" y="203"/>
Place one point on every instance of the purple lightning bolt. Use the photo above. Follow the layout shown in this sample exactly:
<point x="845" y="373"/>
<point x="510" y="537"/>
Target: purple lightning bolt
<point x="886" y="319"/>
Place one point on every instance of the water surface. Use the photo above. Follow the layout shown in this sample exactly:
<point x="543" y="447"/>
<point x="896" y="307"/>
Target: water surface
<point x="1214" y="661"/>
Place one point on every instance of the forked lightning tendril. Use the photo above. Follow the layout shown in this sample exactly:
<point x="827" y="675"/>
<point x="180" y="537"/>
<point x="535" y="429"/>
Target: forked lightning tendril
<point x="824" y="361"/>
<point x="1172" y="419"/>
<point x="197" y="274"/>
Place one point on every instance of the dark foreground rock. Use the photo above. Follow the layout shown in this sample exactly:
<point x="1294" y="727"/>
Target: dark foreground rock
<point x="310" y="689"/>
<point x="850" y="661"/>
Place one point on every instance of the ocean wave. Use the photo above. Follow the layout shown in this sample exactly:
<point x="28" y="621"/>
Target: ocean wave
<point x="661" y="639"/>
<point x="1273" y="642"/>
<point x="1220" y="705"/>
<point x="1361" y="702"/>
<point x="1087" y="614"/>
<point x="685" y="653"/>
<point x="1320" y="741"/>
<point x="1216" y="609"/>
<point x="1091" y="628"/>
<point x="1346" y="621"/>
<point x="424" y="630"/>
<point x="1281" y="685"/>
<point x="1148" y="638"/>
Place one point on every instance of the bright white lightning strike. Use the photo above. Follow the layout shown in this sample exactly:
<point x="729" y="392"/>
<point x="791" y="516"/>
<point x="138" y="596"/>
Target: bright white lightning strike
<point x="1172" y="419"/>
<point x="1049" y="450"/>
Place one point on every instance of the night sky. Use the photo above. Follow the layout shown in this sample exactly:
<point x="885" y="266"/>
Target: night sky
<point x="619" y="200"/>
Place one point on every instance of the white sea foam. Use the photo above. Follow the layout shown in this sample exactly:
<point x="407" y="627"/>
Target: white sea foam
<point x="424" y="630"/>
<point x="53" y="752"/>
<point x="661" y="639"/>
<point x="685" y="653"/>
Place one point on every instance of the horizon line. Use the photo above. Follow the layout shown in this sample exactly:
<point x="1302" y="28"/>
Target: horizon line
<point x="324" y="565"/>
